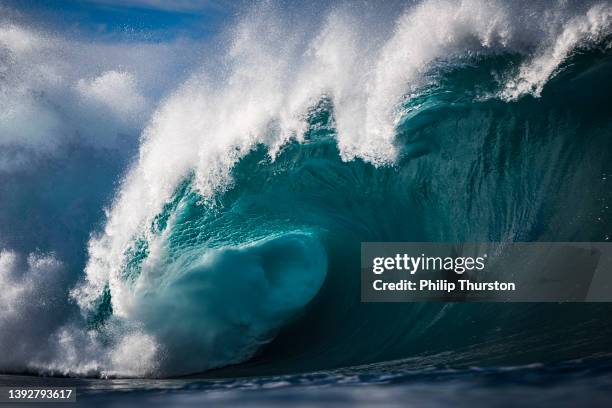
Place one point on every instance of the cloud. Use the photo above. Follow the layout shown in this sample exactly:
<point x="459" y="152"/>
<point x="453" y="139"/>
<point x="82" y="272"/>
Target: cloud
<point x="116" y="91"/>
<point x="56" y="92"/>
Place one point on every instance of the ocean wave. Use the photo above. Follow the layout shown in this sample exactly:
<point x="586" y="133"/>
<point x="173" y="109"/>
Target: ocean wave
<point x="235" y="234"/>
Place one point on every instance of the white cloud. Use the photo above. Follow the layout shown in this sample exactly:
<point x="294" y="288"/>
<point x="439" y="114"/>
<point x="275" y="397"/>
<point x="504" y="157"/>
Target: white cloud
<point x="18" y="39"/>
<point x="116" y="91"/>
<point x="55" y="91"/>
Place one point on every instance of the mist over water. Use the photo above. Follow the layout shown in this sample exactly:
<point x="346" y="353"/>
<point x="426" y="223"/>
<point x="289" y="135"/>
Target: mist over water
<point x="156" y="224"/>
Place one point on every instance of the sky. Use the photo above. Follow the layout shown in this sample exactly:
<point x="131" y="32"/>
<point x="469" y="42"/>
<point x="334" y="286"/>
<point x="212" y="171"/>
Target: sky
<point x="152" y="20"/>
<point x="79" y="81"/>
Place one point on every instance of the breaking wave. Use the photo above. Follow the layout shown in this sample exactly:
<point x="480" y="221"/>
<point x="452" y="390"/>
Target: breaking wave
<point x="234" y="235"/>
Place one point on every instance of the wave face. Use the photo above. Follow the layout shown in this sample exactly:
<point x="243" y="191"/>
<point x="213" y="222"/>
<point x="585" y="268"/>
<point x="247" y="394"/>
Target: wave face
<point x="235" y="235"/>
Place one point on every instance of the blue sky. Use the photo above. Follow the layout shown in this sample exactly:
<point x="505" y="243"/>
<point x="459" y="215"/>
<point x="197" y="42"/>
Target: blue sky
<point x="152" y="20"/>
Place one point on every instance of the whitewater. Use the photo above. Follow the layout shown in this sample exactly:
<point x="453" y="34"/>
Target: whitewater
<point x="233" y="226"/>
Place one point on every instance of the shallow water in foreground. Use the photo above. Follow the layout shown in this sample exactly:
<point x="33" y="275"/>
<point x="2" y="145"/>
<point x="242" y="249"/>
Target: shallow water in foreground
<point x="392" y="384"/>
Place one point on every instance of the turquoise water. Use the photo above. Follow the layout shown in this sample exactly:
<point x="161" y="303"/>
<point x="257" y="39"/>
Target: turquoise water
<point x="221" y="265"/>
<point x="290" y="228"/>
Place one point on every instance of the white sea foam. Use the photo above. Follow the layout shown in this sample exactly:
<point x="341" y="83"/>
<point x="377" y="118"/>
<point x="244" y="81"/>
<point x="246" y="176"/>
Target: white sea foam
<point x="579" y="31"/>
<point x="32" y="298"/>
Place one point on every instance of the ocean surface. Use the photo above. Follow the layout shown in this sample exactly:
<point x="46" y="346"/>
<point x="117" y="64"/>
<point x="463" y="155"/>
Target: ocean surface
<point x="403" y="383"/>
<point x="219" y="264"/>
